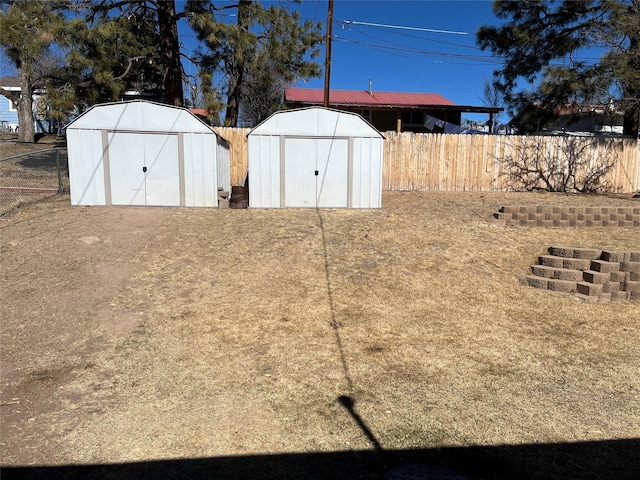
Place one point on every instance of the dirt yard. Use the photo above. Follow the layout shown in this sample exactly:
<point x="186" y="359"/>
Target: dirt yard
<point x="199" y="343"/>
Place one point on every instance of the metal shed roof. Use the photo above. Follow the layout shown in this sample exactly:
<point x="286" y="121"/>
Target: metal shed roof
<point x="316" y="122"/>
<point x="140" y="115"/>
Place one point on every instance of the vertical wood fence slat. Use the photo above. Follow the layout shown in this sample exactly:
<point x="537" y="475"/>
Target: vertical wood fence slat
<point x="435" y="161"/>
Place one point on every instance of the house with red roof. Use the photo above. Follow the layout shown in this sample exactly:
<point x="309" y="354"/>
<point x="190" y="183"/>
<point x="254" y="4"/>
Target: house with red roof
<point x="391" y="111"/>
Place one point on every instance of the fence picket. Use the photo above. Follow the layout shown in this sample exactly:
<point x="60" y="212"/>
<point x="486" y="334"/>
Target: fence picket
<point x="434" y="161"/>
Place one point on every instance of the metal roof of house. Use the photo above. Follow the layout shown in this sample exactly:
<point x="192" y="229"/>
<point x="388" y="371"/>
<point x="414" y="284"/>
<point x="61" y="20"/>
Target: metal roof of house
<point x="363" y="97"/>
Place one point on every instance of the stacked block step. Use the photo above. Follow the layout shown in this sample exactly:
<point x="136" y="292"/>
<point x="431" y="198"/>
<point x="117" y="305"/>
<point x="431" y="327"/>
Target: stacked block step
<point x="590" y="274"/>
<point x="549" y="216"/>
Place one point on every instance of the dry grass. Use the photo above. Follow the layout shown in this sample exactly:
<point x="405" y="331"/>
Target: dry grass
<point x="242" y="329"/>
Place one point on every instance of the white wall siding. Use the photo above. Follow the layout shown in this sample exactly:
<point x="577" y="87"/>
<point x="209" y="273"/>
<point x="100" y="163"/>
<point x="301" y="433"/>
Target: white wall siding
<point x="367" y="173"/>
<point x="142" y="153"/>
<point x="86" y="170"/>
<point x="264" y="171"/>
<point x="200" y="172"/>
<point x="287" y="148"/>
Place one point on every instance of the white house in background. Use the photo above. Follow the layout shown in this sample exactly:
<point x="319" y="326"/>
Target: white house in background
<point x="9" y="113"/>
<point x="147" y="154"/>
<point x="315" y="157"/>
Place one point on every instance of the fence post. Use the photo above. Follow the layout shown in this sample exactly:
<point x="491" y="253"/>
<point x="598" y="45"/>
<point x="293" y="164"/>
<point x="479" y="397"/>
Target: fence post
<point x="59" y="169"/>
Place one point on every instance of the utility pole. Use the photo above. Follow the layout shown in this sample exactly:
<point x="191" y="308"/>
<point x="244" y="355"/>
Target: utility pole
<point x="327" y="60"/>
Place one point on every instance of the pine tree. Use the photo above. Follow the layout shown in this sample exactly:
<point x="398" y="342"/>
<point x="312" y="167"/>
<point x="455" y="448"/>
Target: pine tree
<point x="266" y="47"/>
<point x="28" y="30"/>
<point x="168" y="47"/>
<point x="113" y="51"/>
<point x="539" y="41"/>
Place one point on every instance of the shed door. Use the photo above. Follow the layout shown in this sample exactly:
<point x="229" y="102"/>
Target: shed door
<point x="144" y="169"/>
<point x="316" y="172"/>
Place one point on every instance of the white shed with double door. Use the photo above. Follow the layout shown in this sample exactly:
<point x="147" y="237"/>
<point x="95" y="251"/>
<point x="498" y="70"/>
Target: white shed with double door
<point x="315" y="157"/>
<point x="145" y="153"/>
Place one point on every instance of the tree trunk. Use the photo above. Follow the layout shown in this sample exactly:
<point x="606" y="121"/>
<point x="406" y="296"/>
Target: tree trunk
<point x="631" y="122"/>
<point x="233" y="99"/>
<point x="236" y="70"/>
<point x="26" y="129"/>
<point x="170" y="52"/>
<point x="631" y="117"/>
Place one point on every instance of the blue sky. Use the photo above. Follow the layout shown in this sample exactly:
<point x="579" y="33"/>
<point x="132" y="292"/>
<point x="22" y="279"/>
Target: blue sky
<point x="398" y="59"/>
<point x="408" y="60"/>
<point x="404" y="55"/>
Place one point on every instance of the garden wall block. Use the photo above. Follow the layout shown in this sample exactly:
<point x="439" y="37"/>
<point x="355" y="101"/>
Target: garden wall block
<point x="543" y="271"/>
<point x="576" y="263"/>
<point x="568" y="274"/>
<point x="551" y="261"/>
<point x="620" y="295"/>
<point x="537" y="282"/>
<point x="596" y="277"/>
<point x="587" y="253"/>
<point x="631" y="267"/>
<point x="589" y="274"/>
<point x="562" y="286"/>
<point x="561" y="251"/>
<point x="590" y="289"/>
<point x="611" y="287"/>
<point x="586" y="298"/>
<point x="630" y="286"/>
<point x="618" y="277"/>
<point x="563" y="217"/>
<point x="608" y="256"/>
<point x="602" y="266"/>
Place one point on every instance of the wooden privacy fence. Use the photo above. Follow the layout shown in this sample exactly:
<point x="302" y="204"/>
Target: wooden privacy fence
<point x="509" y="162"/>
<point x="446" y="162"/>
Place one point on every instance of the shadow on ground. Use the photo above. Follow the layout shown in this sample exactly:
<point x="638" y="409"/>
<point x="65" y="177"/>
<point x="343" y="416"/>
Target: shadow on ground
<point x="613" y="459"/>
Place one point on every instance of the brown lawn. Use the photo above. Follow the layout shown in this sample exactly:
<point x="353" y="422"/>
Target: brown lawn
<point x="198" y="343"/>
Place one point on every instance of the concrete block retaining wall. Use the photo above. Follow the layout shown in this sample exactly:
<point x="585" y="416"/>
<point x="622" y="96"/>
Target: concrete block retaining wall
<point x="590" y="274"/>
<point x="550" y="216"/>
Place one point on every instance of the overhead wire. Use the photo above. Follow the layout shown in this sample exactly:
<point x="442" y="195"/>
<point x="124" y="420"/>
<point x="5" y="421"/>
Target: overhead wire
<point x="403" y="27"/>
<point x="488" y="60"/>
<point x="403" y="47"/>
<point x="395" y="46"/>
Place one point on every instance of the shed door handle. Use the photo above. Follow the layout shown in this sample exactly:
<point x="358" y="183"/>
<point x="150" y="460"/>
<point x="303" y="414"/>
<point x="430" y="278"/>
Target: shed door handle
<point x="144" y="169"/>
<point x="317" y="173"/>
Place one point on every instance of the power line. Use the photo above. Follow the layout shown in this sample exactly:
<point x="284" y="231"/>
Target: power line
<point x="475" y="58"/>
<point x="406" y="48"/>
<point x="418" y="37"/>
<point x="401" y="45"/>
<point x="401" y="27"/>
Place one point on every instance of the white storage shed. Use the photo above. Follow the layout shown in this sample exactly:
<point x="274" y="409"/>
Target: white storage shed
<point x="315" y="157"/>
<point x="145" y="153"/>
